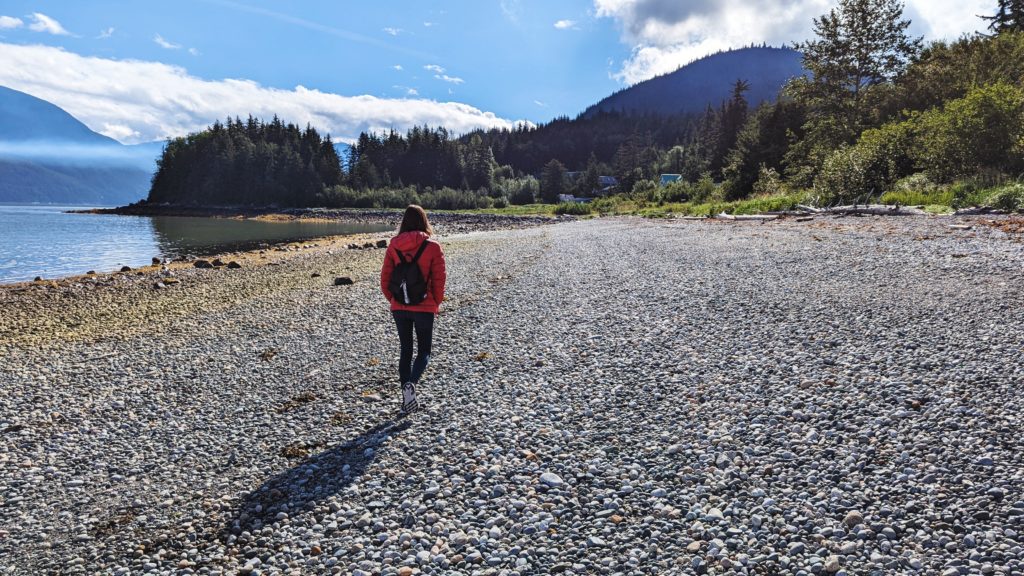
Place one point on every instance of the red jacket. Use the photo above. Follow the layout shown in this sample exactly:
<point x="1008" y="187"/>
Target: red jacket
<point x="431" y="264"/>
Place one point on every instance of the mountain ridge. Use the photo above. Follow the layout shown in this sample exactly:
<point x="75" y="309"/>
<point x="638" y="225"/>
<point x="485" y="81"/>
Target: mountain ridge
<point x="711" y="78"/>
<point x="49" y="156"/>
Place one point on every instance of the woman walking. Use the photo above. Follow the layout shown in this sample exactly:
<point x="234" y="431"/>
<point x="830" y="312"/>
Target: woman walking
<point x="412" y="279"/>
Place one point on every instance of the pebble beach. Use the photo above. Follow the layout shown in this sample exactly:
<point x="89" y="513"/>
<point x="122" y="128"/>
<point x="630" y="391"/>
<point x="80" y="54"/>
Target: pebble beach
<point x="607" y="396"/>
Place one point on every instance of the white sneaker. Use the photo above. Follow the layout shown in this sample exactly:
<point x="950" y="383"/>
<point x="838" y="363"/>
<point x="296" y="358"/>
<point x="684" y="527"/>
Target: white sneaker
<point x="409" y="402"/>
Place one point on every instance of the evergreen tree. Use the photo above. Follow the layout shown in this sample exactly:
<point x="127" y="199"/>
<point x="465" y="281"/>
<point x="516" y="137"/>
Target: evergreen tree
<point x="859" y="44"/>
<point x="553" y="181"/>
<point x="479" y="164"/>
<point x="590" y="180"/>
<point x="763" y="141"/>
<point x="731" y="119"/>
<point x="1009" y="17"/>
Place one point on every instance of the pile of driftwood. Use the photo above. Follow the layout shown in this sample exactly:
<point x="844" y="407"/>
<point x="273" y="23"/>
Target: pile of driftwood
<point x="809" y="212"/>
<point x="854" y="210"/>
<point x="803" y="213"/>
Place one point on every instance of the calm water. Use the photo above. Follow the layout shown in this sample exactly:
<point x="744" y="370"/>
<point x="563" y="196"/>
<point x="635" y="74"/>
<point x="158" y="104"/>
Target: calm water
<point x="45" y="241"/>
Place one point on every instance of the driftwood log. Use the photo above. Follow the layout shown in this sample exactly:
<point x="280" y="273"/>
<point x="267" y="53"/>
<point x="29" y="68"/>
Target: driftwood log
<point x="754" y="217"/>
<point x="977" y="210"/>
<point x="874" y="210"/>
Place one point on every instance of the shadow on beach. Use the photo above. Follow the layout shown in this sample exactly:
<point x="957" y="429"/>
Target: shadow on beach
<point x="313" y="480"/>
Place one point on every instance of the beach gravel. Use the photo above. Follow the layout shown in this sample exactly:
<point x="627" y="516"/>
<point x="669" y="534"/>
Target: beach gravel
<point x="609" y="396"/>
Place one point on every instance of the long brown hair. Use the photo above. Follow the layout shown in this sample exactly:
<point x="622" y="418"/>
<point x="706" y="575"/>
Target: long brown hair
<point x="415" y="219"/>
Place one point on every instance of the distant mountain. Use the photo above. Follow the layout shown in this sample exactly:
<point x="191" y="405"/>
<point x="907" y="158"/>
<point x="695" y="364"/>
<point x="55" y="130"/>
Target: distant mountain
<point x="46" y="155"/>
<point x="707" y="81"/>
<point x="25" y="117"/>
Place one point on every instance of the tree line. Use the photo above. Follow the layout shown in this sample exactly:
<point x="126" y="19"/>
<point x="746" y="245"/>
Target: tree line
<point x="247" y="162"/>
<point x="876" y="107"/>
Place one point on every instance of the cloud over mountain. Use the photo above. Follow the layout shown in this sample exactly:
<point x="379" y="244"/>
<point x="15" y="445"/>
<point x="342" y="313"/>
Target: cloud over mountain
<point x="666" y="34"/>
<point x="139" y="101"/>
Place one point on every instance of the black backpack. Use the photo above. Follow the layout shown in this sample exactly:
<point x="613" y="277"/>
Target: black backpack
<point x="407" y="284"/>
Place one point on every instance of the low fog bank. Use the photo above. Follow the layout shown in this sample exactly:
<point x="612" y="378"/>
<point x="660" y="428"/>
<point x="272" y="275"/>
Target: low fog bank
<point x="61" y="152"/>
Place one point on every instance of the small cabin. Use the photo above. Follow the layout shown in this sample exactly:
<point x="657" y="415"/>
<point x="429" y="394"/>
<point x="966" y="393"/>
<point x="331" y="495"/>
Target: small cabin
<point x="667" y="179"/>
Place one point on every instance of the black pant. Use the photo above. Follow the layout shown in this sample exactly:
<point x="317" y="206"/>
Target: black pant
<point x="423" y="322"/>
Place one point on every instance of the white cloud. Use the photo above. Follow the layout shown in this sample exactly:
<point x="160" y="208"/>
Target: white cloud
<point x="121" y="132"/>
<point x="193" y="51"/>
<point x="439" y="73"/>
<point x="949" y="19"/>
<point x="541" y="104"/>
<point x="106" y="33"/>
<point x="408" y="91"/>
<point x="667" y="34"/>
<point x="428" y="24"/>
<point x="43" y="23"/>
<point x="139" y="101"/>
<point x="9" y="22"/>
<point x="165" y="43"/>
<point x="393" y="31"/>
<point x="565" y="24"/>
<point x="398" y="67"/>
<point x="512" y="9"/>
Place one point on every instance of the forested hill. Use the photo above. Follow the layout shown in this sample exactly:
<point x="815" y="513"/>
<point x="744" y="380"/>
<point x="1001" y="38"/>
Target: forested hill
<point x="708" y="81"/>
<point x="247" y="162"/>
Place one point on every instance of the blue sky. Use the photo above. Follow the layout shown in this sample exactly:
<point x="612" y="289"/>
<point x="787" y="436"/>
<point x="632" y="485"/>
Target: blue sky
<point x="140" y="71"/>
<point x="352" y="47"/>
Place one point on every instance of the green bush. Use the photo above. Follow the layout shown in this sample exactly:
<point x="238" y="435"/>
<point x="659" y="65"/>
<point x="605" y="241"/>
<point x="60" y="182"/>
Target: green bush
<point x="450" y="199"/>
<point x="345" y="197"/>
<point x="967" y="193"/>
<point x="768" y="182"/>
<point x="678" y="191"/>
<point x="645" y="190"/>
<point x="704" y="190"/>
<point x="981" y="132"/>
<point x="520" y="191"/>
<point x="868" y="168"/>
<point x="605" y="205"/>
<point x="573" y="208"/>
<point x="919" y="182"/>
<point x="1009" y="198"/>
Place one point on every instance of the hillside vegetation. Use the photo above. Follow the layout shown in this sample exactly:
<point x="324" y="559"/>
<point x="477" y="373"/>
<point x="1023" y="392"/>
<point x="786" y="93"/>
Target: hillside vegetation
<point x="879" y="115"/>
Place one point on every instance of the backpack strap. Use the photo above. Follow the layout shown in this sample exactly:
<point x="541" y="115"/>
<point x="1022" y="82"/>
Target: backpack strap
<point x="401" y="259"/>
<point x="419" y="252"/>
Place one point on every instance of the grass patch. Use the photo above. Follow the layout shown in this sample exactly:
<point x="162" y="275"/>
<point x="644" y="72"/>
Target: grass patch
<point x="756" y="205"/>
<point x="934" y="197"/>
<point x="513" y="210"/>
<point x="573" y="208"/>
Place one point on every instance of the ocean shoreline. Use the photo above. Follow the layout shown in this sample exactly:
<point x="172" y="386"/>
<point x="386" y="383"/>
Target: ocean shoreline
<point x="457" y="220"/>
<point x="445" y="223"/>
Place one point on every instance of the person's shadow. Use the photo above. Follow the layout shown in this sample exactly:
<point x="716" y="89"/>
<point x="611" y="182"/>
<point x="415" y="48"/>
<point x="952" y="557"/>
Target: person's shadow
<point x="311" y="481"/>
